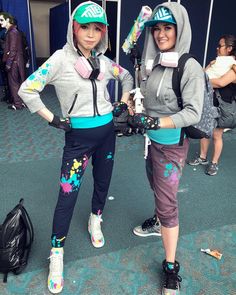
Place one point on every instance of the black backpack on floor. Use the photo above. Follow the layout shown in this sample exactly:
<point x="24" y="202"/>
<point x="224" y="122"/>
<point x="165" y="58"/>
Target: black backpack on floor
<point x="16" y="237"/>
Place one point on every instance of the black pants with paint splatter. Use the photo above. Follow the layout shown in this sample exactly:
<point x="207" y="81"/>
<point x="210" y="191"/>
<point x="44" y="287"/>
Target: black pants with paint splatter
<point x="80" y="145"/>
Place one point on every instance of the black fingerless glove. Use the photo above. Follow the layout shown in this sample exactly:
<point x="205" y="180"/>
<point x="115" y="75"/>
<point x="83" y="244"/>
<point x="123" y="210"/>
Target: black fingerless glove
<point x="61" y="123"/>
<point x="144" y="122"/>
<point x="119" y="108"/>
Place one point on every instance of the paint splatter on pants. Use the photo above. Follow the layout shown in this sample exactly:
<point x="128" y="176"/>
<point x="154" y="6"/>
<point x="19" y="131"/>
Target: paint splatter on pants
<point x="80" y="145"/>
<point x="164" y="168"/>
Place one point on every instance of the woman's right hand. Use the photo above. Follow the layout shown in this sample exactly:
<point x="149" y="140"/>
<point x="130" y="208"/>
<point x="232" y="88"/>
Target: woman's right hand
<point x="143" y="121"/>
<point x="55" y="121"/>
<point x="61" y="123"/>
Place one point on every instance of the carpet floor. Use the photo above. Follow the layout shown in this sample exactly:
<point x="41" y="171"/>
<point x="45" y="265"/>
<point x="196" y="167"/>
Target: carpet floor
<point x="30" y="155"/>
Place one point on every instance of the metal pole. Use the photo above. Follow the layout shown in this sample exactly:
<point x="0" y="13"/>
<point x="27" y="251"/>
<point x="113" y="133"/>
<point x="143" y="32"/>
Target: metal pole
<point x="208" y="32"/>
<point x="104" y="4"/>
<point x="30" y="35"/>
<point x="117" y="42"/>
<point x="69" y="8"/>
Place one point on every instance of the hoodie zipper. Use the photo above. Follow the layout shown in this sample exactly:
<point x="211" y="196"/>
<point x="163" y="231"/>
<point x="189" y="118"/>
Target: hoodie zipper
<point x="160" y="84"/>
<point x="95" y="107"/>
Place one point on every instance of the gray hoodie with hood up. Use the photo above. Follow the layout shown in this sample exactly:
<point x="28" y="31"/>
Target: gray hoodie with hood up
<point x="160" y="100"/>
<point x="59" y="71"/>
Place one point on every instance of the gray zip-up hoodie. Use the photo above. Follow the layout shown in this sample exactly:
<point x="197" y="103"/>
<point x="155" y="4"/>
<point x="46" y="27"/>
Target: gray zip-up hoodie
<point x="59" y="71"/>
<point x="160" y="100"/>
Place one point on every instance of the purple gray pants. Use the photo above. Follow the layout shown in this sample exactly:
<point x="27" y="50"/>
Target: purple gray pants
<point x="164" y="167"/>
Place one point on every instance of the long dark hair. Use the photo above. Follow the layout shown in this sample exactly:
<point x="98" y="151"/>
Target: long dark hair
<point x="230" y="40"/>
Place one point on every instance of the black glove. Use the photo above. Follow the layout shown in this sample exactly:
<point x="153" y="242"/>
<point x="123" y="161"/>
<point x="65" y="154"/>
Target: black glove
<point x="121" y="125"/>
<point x="119" y="108"/>
<point x="61" y="123"/>
<point x="143" y="121"/>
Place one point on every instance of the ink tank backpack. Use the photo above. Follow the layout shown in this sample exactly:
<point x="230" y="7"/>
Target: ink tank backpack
<point x="204" y="128"/>
<point x="16" y="238"/>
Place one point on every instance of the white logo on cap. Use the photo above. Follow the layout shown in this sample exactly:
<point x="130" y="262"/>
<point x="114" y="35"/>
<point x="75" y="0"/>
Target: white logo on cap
<point x="93" y="11"/>
<point x="162" y="14"/>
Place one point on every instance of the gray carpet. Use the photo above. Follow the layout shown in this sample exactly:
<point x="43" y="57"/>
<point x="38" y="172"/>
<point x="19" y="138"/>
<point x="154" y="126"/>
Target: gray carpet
<point x="205" y="202"/>
<point x="137" y="270"/>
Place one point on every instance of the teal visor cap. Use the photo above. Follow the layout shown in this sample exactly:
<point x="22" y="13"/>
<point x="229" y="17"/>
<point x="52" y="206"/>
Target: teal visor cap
<point x="163" y="15"/>
<point x="90" y="13"/>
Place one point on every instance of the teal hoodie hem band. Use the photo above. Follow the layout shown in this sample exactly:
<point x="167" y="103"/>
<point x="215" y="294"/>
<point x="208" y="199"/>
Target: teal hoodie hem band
<point x="90" y="122"/>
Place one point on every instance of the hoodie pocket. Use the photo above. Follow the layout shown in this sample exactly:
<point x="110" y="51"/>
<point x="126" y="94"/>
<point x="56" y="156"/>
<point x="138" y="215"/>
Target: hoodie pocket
<point x="73" y="104"/>
<point x="170" y="100"/>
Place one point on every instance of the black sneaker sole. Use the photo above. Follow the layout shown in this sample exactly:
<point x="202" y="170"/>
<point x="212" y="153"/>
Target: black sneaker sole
<point x="212" y="174"/>
<point x="196" y="164"/>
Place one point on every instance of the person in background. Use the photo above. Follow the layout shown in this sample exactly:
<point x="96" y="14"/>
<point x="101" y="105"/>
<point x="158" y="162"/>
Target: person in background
<point x="168" y="36"/>
<point x="220" y="66"/>
<point x="226" y="86"/>
<point x="3" y="75"/>
<point x="13" y="59"/>
<point x="80" y="73"/>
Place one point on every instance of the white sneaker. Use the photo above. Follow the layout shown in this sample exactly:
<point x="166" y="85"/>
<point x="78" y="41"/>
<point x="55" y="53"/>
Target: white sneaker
<point x="94" y="228"/>
<point x="55" y="277"/>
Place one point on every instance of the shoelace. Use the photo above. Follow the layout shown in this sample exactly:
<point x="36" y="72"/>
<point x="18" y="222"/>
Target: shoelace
<point x="55" y="263"/>
<point x="213" y="165"/>
<point x="149" y="222"/>
<point x="172" y="281"/>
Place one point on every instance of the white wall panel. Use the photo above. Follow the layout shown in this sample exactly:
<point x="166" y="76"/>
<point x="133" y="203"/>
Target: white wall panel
<point x="40" y="20"/>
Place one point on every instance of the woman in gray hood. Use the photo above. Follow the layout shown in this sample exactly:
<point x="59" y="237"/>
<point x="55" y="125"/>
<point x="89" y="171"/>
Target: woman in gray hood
<point x="168" y="36"/>
<point x="80" y="73"/>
